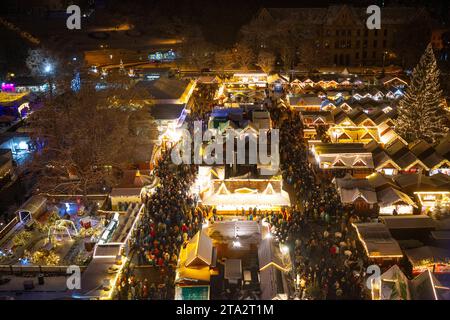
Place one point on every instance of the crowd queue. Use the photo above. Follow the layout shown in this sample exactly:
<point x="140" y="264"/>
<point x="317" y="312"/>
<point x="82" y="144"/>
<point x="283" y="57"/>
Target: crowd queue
<point x="171" y="218"/>
<point x="328" y="262"/>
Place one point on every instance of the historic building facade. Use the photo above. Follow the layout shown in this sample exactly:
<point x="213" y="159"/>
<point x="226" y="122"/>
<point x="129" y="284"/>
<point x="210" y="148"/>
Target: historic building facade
<point x="340" y="33"/>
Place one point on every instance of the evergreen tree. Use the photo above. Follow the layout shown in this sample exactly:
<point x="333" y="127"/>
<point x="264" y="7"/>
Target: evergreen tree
<point x="420" y="112"/>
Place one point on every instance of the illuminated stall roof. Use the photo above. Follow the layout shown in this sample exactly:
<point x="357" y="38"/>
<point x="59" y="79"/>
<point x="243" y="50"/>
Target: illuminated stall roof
<point x="443" y="148"/>
<point x="317" y="117"/>
<point x="243" y="193"/>
<point x="269" y="254"/>
<point x="250" y="74"/>
<point x="429" y="254"/>
<point x="274" y="268"/>
<point x="379" y="181"/>
<point x="377" y="240"/>
<point x="379" y="117"/>
<point x="392" y="196"/>
<point x="408" y="222"/>
<point x="400" y="153"/>
<point x="360" y="118"/>
<point x="426" y="287"/>
<point x="393" y="81"/>
<point x="388" y="135"/>
<point x="354" y="134"/>
<point x="344" y="106"/>
<point x="340" y="117"/>
<point x="427" y="154"/>
<point x="201" y="252"/>
<point x="351" y="189"/>
<point x="341" y="148"/>
<point x="276" y="78"/>
<point x="394" y="285"/>
<point x="343" y="156"/>
<point x="305" y="101"/>
<point x="273" y="284"/>
<point x="209" y="80"/>
<point x="195" y="260"/>
<point x="416" y="182"/>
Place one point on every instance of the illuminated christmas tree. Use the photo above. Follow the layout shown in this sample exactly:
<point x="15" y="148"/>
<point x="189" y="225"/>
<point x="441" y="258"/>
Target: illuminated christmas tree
<point x="76" y="82"/>
<point x="421" y="113"/>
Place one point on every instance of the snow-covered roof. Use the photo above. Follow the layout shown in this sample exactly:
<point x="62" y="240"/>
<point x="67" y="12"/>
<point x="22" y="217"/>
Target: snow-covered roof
<point x="240" y="193"/>
<point x="351" y="189"/>
<point x="391" y="196"/>
<point x="377" y="240"/>
<point x="409" y="222"/>
<point x="269" y="253"/>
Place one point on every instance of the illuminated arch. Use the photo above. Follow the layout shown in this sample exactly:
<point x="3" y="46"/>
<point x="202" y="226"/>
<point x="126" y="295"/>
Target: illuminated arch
<point x="63" y="226"/>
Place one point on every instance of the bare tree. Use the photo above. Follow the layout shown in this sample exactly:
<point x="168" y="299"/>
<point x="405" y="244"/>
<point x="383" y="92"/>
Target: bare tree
<point x="82" y="144"/>
<point x="309" y="54"/>
<point x="57" y="71"/>
<point x="286" y="40"/>
<point x="287" y="55"/>
<point x="266" y="61"/>
<point x="243" y="56"/>
<point x="202" y="100"/>
<point x="224" y="60"/>
<point x="40" y="61"/>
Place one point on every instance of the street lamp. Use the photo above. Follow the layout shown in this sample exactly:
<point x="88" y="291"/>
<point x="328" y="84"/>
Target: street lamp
<point x="48" y="68"/>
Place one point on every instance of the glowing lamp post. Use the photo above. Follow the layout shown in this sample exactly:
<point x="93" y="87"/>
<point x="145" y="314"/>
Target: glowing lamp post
<point x="48" y="71"/>
<point x="48" y="68"/>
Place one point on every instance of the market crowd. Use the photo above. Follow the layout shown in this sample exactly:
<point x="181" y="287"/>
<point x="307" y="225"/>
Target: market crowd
<point x="170" y="219"/>
<point x="328" y="262"/>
